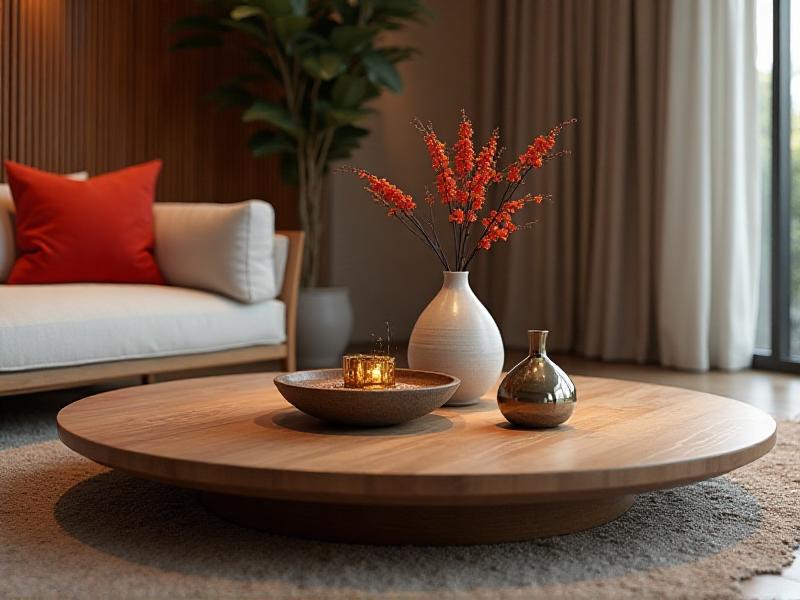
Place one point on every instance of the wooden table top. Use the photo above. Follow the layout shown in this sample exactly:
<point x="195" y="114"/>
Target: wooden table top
<point x="236" y="434"/>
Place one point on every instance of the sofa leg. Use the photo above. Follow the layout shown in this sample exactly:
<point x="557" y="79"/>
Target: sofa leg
<point x="289" y="363"/>
<point x="148" y="378"/>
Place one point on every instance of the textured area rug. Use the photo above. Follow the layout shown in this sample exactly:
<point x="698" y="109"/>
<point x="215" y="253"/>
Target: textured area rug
<point x="72" y="529"/>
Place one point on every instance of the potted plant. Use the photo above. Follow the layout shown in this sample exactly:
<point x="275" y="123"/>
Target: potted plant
<point x="312" y="66"/>
<point x="455" y="334"/>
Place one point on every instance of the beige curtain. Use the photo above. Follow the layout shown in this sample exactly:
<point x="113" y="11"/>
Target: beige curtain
<point x="711" y="226"/>
<point x="589" y="269"/>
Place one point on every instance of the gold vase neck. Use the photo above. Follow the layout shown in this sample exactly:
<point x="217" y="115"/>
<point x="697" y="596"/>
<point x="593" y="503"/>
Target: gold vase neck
<point x="537" y="342"/>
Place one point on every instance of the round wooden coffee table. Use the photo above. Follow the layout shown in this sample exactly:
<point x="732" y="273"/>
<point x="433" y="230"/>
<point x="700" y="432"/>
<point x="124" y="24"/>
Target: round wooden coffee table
<point x="457" y="476"/>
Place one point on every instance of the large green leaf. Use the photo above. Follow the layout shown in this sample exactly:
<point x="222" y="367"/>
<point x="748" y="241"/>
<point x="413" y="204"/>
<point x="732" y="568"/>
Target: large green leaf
<point x="274" y="114"/>
<point x="391" y="13"/>
<point x="398" y="53"/>
<point x="345" y="140"/>
<point x="263" y="62"/>
<point x="266" y="143"/>
<point x="335" y="117"/>
<point x="245" y="12"/>
<point x="299" y="7"/>
<point x="348" y="10"/>
<point x="399" y="8"/>
<point x="231" y="95"/>
<point x="350" y="133"/>
<point x="324" y="66"/>
<point x="339" y="152"/>
<point x="205" y="22"/>
<point x="288" y="27"/>
<point x="196" y="41"/>
<point x="373" y="91"/>
<point x="276" y="8"/>
<point x="350" y="38"/>
<point x="305" y="42"/>
<point x="251" y="28"/>
<point x="381" y="71"/>
<point x="349" y="91"/>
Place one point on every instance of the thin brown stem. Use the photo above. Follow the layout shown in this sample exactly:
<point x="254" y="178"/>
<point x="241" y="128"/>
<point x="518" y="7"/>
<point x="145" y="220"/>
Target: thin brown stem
<point x="455" y="236"/>
<point x="436" y="247"/>
<point x="422" y="237"/>
<point x="436" y="235"/>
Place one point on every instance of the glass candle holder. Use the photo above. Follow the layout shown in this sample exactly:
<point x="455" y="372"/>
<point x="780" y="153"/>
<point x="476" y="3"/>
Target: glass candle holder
<point x="368" y="371"/>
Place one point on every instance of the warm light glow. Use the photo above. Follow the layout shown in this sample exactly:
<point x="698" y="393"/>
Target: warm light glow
<point x="368" y="371"/>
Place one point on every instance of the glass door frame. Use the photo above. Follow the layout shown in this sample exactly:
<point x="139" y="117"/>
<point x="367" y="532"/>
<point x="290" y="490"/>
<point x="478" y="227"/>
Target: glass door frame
<point x="779" y="357"/>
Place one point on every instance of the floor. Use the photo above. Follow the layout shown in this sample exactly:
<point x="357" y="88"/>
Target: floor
<point x="776" y="393"/>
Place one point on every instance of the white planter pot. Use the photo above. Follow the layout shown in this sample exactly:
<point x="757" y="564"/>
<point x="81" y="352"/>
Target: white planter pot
<point x="324" y="324"/>
<point x="455" y="334"/>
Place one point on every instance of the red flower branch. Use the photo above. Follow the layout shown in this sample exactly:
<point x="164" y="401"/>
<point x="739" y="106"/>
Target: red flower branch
<point x="463" y="190"/>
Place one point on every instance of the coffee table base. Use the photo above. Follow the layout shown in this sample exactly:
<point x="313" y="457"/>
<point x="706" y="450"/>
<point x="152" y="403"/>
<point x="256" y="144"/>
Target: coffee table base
<point x="417" y="525"/>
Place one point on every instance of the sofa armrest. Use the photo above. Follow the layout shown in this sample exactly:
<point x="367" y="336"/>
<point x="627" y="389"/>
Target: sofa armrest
<point x="222" y="248"/>
<point x="8" y="251"/>
<point x="290" y="290"/>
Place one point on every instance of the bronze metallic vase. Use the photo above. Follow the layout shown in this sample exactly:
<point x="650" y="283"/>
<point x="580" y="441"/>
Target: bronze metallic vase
<point x="536" y="392"/>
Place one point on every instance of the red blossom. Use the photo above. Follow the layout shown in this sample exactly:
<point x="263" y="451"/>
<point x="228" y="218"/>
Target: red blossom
<point x="388" y="194"/>
<point x="456" y="216"/>
<point x="484" y="171"/>
<point x="535" y="153"/>
<point x="465" y="151"/>
<point x="463" y="188"/>
<point x="532" y="157"/>
<point x="499" y="224"/>
<point x="440" y="162"/>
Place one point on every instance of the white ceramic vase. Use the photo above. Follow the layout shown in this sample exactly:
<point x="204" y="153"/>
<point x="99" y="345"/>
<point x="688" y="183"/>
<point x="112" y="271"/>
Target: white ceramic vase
<point x="455" y="334"/>
<point x="324" y="324"/>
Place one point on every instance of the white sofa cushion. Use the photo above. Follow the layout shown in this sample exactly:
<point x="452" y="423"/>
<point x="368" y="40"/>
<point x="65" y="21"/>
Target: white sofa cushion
<point x="44" y="326"/>
<point x="8" y="252"/>
<point x="224" y="248"/>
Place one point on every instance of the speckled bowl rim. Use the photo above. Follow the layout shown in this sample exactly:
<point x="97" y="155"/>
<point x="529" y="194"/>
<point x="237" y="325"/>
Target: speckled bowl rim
<point x="286" y="379"/>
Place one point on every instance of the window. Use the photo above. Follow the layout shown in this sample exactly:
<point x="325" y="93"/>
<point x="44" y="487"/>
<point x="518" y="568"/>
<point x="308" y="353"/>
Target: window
<point x="778" y="63"/>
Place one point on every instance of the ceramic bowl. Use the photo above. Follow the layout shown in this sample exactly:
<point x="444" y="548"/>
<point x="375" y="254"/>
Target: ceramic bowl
<point x="415" y="394"/>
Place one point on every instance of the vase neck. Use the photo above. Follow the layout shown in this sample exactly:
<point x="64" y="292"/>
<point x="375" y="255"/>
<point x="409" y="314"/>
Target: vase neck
<point x="537" y="342"/>
<point x="456" y="279"/>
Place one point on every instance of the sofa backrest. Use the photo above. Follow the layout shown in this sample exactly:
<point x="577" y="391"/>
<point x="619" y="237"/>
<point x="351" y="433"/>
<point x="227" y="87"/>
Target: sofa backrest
<point x="223" y="248"/>
<point x="230" y="249"/>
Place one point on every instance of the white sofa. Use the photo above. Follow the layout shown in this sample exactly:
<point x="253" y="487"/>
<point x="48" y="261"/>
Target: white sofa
<point x="231" y="299"/>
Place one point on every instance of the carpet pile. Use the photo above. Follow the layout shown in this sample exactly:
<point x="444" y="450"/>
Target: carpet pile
<point x="72" y="529"/>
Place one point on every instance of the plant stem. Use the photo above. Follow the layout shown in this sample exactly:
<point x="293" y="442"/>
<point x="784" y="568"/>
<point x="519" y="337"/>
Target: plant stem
<point x="422" y="238"/>
<point x="303" y="204"/>
<point x="436" y="235"/>
<point x="436" y="247"/>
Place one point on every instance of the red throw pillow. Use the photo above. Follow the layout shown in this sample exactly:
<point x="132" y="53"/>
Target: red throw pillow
<point x="99" y="230"/>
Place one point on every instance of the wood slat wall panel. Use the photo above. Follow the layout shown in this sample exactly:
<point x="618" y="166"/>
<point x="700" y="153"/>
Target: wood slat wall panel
<point x="91" y="84"/>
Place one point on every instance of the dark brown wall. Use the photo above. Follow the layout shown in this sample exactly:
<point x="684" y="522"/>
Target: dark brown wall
<point x="91" y="84"/>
